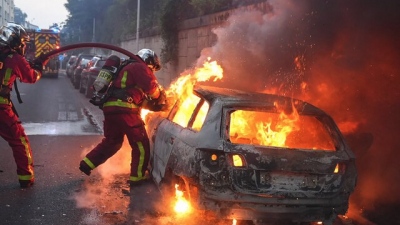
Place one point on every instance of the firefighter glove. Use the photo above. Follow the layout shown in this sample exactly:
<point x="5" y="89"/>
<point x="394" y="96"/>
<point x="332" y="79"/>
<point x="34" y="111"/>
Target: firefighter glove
<point x="159" y="104"/>
<point x="41" y="60"/>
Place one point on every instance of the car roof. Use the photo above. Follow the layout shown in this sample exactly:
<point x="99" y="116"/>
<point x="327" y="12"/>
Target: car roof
<point x="234" y="97"/>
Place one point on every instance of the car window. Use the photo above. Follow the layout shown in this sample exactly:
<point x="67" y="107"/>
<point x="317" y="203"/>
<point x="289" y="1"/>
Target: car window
<point x="100" y="63"/>
<point x="191" y="112"/>
<point x="52" y="40"/>
<point x="42" y="40"/>
<point x="279" y="130"/>
<point x="201" y="116"/>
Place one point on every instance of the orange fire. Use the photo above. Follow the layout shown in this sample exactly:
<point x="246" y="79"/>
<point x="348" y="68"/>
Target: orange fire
<point x="182" y="206"/>
<point x="250" y="127"/>
<point x="182" y="89"/>
<point x="183" y="86"/>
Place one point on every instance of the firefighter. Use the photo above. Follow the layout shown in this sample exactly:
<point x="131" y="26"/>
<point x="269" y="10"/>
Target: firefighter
<point x="14" y="66"/>
<point x="134" y="83"/>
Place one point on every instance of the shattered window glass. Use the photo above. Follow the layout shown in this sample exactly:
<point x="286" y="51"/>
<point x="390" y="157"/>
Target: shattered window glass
<point x="279" y="130"/>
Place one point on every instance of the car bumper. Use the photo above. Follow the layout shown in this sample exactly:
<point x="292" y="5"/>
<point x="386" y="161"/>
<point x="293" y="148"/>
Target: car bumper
<point x="230" y="205"/>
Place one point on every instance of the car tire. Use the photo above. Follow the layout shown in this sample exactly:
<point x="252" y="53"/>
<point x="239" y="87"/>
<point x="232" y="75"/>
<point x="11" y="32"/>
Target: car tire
<point x="88" y="92"/>
<point x="76" y="83"/>
<point x="167" y="186"/>
<point x="81" y="88"/>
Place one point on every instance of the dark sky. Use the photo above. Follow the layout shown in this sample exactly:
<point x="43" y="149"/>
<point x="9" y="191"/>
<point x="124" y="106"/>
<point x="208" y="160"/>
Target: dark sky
<point x="339" y="55"/>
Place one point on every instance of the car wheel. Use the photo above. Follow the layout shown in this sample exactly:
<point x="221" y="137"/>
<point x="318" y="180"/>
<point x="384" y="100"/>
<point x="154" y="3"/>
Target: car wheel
<point x="76" y="83"/>
<point x="81" y="87"/>
<point x="167" y="186"/>
<point x="89" y="92"/>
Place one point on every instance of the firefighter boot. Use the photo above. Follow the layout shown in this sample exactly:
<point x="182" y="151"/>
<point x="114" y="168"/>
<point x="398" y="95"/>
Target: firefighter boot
<point x="26" y="183"/>
<point x="84" y="168"/>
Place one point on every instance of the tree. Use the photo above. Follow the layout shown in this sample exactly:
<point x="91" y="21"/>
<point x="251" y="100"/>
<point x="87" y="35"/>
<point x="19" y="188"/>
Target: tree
<point x="19" y="16"/>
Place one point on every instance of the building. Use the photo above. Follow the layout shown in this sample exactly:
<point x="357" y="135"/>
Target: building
<point x="6" y="11"/>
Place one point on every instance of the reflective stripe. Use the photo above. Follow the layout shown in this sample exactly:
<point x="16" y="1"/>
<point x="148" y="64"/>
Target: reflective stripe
<point x="4" y="101"/>
<point x="89" y="163"/>
<point x="38" y="75"/>
<point x="7" y="76"/>
<point x="123" y="80"/>
<point x="27" y="151"/>
<point x="120" y="103"/>
<point x="141" y="162"/>
<point x="25" y="177"/>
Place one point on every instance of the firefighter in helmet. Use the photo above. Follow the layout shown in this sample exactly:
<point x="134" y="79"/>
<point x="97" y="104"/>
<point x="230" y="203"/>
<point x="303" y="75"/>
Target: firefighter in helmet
<point x="134" y="83"/>
<point x="14" y="66"/>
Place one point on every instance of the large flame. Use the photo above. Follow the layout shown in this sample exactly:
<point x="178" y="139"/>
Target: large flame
<point x="251" y="127"/>
<point x="182" y="90"/>
<point x="183" y="86"/>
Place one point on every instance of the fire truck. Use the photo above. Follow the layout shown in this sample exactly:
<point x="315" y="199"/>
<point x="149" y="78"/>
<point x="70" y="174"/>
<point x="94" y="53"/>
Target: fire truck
<point x="41" y="42"/>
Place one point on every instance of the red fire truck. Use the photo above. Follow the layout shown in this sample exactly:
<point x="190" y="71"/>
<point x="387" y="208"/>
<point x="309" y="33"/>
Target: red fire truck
<point x="43" y="41"/>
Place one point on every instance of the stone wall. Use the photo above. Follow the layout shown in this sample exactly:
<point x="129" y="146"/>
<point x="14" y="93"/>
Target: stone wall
<point x="195" y="35"/>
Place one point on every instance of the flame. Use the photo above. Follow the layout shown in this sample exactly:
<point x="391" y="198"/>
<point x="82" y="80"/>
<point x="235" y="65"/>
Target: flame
<point x="183" y="86"/>
<point x="182" y="90"/>
<point x="280" y="129"/>
<point x="182" y="206"/>
<point x="272" y="132"/>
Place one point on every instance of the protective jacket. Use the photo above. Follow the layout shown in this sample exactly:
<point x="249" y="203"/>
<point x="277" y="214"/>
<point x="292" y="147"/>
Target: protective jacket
<point x="14" y="66"/>
<point x="133" y="83"/>
<point x="122" y="117"/>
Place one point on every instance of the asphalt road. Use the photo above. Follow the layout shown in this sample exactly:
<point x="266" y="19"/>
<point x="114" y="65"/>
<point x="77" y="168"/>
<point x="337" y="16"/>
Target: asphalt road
<point x="62" y="126"/>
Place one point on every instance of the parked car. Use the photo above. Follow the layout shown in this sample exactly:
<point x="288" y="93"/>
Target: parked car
<point x="252" y="156"/>
<point x="70" y="65"/>
<point x="80" y="63"/>
<point x="89" y="75"/>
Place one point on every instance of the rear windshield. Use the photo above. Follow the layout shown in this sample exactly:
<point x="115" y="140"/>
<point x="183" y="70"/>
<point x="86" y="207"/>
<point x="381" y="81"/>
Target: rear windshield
<point x="279" y="130"/>
<point x="100" y="63"/>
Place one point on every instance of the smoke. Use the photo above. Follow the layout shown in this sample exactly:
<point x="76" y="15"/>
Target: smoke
<point x="338" y="55"/>
<point x="106" y="192"/>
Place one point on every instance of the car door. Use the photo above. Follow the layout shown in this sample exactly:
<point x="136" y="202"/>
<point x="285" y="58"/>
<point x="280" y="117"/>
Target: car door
<point x="179" y="129"/>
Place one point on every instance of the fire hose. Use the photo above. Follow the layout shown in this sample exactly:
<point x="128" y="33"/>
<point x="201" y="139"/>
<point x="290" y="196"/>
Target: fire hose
<point x="151" y="105"/>
<point x="89" y="45"/>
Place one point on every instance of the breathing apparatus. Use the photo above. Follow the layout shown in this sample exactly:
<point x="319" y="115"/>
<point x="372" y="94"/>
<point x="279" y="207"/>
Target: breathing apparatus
<point x="104" y="79"/>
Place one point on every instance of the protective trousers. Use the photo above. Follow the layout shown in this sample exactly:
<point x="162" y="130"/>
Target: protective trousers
<point x="12" y="131"/>
<point x="116" y="126"/>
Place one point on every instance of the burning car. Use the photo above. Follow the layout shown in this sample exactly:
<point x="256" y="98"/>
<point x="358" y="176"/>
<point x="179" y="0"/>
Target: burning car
<point x="253" y="156"/>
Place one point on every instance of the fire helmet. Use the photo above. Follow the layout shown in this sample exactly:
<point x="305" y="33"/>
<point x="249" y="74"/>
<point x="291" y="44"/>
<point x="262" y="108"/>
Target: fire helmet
<point x="112" y="61"/>
<point x="14" y="36"/>
<point x="150" y="58"/>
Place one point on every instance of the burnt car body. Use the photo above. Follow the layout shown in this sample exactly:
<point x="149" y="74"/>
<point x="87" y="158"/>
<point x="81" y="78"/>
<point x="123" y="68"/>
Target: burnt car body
<point x="232" y="174"/>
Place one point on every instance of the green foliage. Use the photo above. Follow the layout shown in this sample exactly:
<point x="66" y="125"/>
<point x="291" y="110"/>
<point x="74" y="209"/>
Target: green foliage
<point x="173" y="13"/>
<point x="210" y="6"/>
<point x="19" y="16"/>
<point x="117" y="20"/>
<point x="86" y="16"/>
